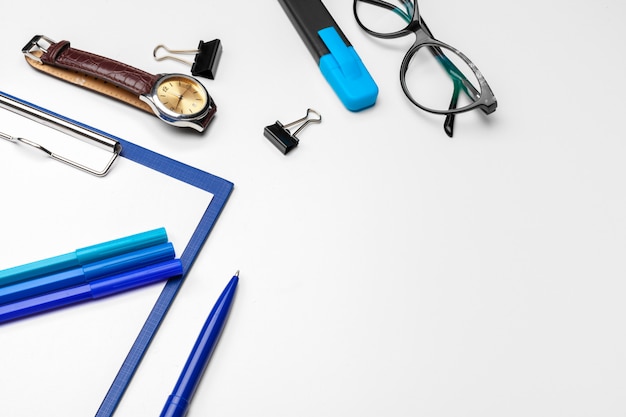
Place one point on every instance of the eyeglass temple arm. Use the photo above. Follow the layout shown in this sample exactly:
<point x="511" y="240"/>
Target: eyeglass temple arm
<point x="457" y="79"/>
<point x="450" y="68"/>
<point x="448" y="124"/>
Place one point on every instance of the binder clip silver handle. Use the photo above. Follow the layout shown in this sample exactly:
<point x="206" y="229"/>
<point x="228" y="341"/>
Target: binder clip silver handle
<point x="282" y="138"/>
<point x="155" y="53"/>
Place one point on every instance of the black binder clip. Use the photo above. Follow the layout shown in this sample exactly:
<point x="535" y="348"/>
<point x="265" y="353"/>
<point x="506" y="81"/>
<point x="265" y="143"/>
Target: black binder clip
<point x="205" y="63"/>
<point x="282" y="138"/>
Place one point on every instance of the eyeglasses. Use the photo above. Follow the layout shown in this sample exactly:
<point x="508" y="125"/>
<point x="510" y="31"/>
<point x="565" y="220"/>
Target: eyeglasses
<point x="435" y="76"/>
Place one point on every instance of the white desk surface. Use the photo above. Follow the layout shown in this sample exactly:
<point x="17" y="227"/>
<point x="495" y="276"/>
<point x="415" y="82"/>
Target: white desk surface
<point x="386" y="269"/>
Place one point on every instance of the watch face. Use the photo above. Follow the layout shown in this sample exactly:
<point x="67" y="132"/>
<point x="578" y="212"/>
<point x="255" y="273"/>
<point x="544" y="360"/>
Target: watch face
<point x="181" y="95"/>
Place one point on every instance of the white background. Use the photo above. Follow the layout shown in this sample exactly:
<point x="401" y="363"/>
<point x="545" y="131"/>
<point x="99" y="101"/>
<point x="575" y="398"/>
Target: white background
<point x="386" y="269"/>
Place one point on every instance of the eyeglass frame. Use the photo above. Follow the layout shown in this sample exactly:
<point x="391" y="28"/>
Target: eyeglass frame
<point x="486" y="101"/>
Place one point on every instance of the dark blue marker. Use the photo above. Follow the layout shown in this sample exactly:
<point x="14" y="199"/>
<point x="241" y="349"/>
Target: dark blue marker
<point x="98" y="288"/>
<point x="92" y="271"/>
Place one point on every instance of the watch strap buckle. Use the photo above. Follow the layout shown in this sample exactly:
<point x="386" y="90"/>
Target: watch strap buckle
<point x="39" y="43"/>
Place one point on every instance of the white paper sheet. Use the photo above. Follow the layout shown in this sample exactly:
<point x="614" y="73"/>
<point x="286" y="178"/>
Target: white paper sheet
<point x="52" y="209"/>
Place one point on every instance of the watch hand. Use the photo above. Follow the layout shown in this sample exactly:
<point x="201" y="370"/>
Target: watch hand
<point x="180" y="97"/>
<point x="183" y="93"/>
<point x="178" y="103"/>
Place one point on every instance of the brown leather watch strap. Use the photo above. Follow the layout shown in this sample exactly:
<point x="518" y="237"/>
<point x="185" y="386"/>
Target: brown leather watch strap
<point x="96" y="73"/>
<point x="91" y="83"/>
<point x="60" y="54"/>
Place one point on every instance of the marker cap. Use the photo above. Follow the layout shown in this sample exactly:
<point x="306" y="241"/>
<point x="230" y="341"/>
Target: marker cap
<point x="346" y="73"/>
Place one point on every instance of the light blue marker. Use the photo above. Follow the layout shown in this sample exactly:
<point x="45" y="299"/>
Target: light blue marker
<point x="76" y="276"/>
<point x="82" y="256"/>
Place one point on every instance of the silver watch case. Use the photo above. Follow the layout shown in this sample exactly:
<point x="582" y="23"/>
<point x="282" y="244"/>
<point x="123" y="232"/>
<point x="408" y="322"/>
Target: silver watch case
<point x="195" y="121"/>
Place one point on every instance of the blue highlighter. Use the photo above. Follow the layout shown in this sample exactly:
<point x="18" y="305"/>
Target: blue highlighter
<point x="338" y="61"/>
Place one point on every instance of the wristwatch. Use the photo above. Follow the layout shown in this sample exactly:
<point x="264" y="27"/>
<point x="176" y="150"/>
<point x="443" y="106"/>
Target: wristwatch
<point x="178" y="99"/>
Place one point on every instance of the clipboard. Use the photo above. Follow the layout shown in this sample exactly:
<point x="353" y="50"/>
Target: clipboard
<point x="219" y="189"/>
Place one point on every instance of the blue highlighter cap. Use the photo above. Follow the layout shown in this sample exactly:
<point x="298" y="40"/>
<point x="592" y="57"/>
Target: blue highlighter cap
<point x="346" y="73"/>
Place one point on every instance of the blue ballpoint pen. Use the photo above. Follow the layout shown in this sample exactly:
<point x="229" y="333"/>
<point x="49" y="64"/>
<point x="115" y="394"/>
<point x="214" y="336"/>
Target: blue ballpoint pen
<point x="178" y="402"/>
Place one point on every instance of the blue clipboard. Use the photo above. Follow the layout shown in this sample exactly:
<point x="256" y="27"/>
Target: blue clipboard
<point x="220" y="190"/>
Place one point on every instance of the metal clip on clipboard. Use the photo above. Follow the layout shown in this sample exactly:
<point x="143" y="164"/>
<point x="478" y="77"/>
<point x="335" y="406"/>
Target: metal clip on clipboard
<point x="75" y="130"/>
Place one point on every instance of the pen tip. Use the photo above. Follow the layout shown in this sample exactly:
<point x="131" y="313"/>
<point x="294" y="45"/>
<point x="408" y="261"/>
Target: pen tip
<point x="237" y="273"/>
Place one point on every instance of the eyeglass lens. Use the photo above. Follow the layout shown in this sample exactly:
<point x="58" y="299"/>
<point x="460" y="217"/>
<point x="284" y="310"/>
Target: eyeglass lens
<point x="439" y="79"/>
<point x="436" y="78"/>
<point x="385" y="17"/>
